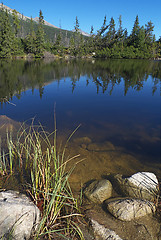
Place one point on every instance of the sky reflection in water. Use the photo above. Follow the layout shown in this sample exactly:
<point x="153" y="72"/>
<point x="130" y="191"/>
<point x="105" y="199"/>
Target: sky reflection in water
<point x="113" y="100"/>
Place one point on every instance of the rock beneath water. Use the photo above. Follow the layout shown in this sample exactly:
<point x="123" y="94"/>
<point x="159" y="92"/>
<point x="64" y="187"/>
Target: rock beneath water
<point x="7" y="123"/>
<point x="82" y="140"/>
<point x="130" y="209"/>
<point x="143" y="185"/>
<point x="104" y="232"/>
<point x="19" y="217"/>
<point x="101" y="147"/>
<point x="99" y="191"/>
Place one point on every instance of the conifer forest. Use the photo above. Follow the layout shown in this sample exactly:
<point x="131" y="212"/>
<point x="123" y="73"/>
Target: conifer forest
<point x="21" y="38"/>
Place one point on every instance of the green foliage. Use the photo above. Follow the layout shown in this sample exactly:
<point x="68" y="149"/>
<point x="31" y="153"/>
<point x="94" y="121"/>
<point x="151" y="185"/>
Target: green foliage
<point x="30" y="40"/>
<point x="72" y="49"/>
<point x="116" y="44"/>
<point x="158" y="48"/>
<point x="44" y="167"/>
<point x="6" y="35"/>
<point x="16" y="22"/>
<point x="19" y="37"/>
<point x="57" y="46"/>
<point x="40" y="37"/>
<point x="110" y="35"/>
<point x="76" y="27"/>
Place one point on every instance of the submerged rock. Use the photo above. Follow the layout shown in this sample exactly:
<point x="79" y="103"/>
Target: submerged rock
<point x="101" y="147"/>
<point x="99" y="191"/>
<point x="104" y="232"/>
<point x="130" y="209"/>
<point x="142" y="185"/>
<point x="8" y="124"/>
<point x="82" y="140"/>
<point x="19" y="217"/>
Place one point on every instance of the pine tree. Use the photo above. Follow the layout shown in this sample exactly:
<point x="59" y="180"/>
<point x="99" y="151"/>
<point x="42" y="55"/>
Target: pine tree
<point x="135" y="33"/>
<point x="141" y="38"/>
<point x="81" y="50"/>
<point x="77" y="33"/>
<point x="120" y="31"/>
<point x="17" y="45"/>
<point x="99" y="39"/>
<point x="76" y="27"/>
<point x="72" y="49"/>
<point x="40" y="37"/>
<point x="111" y="34"/>
<point x="6" y="36"/>
<point x="149" y="37"/>
<point x="136" y="27"/>
<point x="103" y="28"/>
<point x="30" y="42"/>
<point x="57" y="44"/>
<point x="90" y="45"/>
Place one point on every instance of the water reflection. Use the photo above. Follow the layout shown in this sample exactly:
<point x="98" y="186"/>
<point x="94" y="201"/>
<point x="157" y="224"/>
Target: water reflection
<point x="117" y="103"/>
<point x="18" y="76"/>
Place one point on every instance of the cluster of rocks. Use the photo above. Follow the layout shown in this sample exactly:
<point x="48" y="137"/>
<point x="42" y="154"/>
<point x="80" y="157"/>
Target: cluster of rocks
<point x="121" y="208"/>
<point x="126" y="202"/>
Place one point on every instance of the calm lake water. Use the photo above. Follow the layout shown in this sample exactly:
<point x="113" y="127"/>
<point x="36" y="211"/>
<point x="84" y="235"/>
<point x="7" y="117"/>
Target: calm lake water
<point x="117" y="103"/>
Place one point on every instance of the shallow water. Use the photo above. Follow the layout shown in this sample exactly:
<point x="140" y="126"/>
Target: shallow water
<point x="116" y="102"/>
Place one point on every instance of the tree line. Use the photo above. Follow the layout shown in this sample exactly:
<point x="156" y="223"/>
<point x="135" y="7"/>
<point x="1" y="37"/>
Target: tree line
<point x="108" y="42"/>
<point x="141" y="43"/>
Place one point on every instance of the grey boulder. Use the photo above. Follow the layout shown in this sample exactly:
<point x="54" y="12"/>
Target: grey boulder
<point x="98" y="191"/>
<point x="142" y="185"/>
<point x="130" y="209"/>
<point x="19" y="217"/>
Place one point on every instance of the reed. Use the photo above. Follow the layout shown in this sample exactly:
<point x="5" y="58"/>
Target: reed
<point x="47" y="182"/>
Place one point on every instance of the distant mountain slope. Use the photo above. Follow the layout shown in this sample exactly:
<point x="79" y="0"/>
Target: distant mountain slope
<point x="82" y="32"/>
<point x="10" y="10"/>
<point x="21" y="16"/>
<point x="36" y="20"/>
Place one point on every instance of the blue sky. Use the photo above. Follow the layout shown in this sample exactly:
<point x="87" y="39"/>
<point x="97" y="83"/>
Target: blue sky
<point x="91" y="12"/>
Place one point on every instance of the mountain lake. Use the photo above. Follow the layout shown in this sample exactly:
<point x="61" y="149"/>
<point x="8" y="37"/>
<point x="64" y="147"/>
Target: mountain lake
<point x="114" y="106"/>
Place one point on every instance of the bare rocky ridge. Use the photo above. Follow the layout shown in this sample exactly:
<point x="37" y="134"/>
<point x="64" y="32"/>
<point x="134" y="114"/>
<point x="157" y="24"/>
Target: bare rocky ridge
<point x="21" y="16"/>
<point x="36" y="19"/>
<point x="10" y="11"/>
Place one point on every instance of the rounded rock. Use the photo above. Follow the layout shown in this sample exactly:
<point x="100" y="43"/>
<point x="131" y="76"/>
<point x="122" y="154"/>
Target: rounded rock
<point x="99" y="191"/>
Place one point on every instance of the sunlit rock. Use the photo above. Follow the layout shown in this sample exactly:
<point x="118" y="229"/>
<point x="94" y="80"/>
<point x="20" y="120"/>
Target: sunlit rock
<point x="19" y="217"/>
<point x="98" y="191"/>
<point x="143" y="185"/>
<point x="130" y="209"/>
<point x="144" y="180"/>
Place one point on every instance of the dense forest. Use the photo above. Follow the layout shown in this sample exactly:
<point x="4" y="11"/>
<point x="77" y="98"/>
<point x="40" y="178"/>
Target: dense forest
<point x="23" y="38"/>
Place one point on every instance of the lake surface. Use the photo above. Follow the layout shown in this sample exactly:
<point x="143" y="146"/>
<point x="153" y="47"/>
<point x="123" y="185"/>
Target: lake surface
<point x="116" y="102"/>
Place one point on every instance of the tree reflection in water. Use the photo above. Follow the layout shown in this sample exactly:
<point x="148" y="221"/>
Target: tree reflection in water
<point x="16" y="76"/>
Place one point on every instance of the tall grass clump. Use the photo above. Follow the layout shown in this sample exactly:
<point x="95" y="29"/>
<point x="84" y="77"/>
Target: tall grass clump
<point x="44" y="168"/>
<point x="6" y="157"/>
